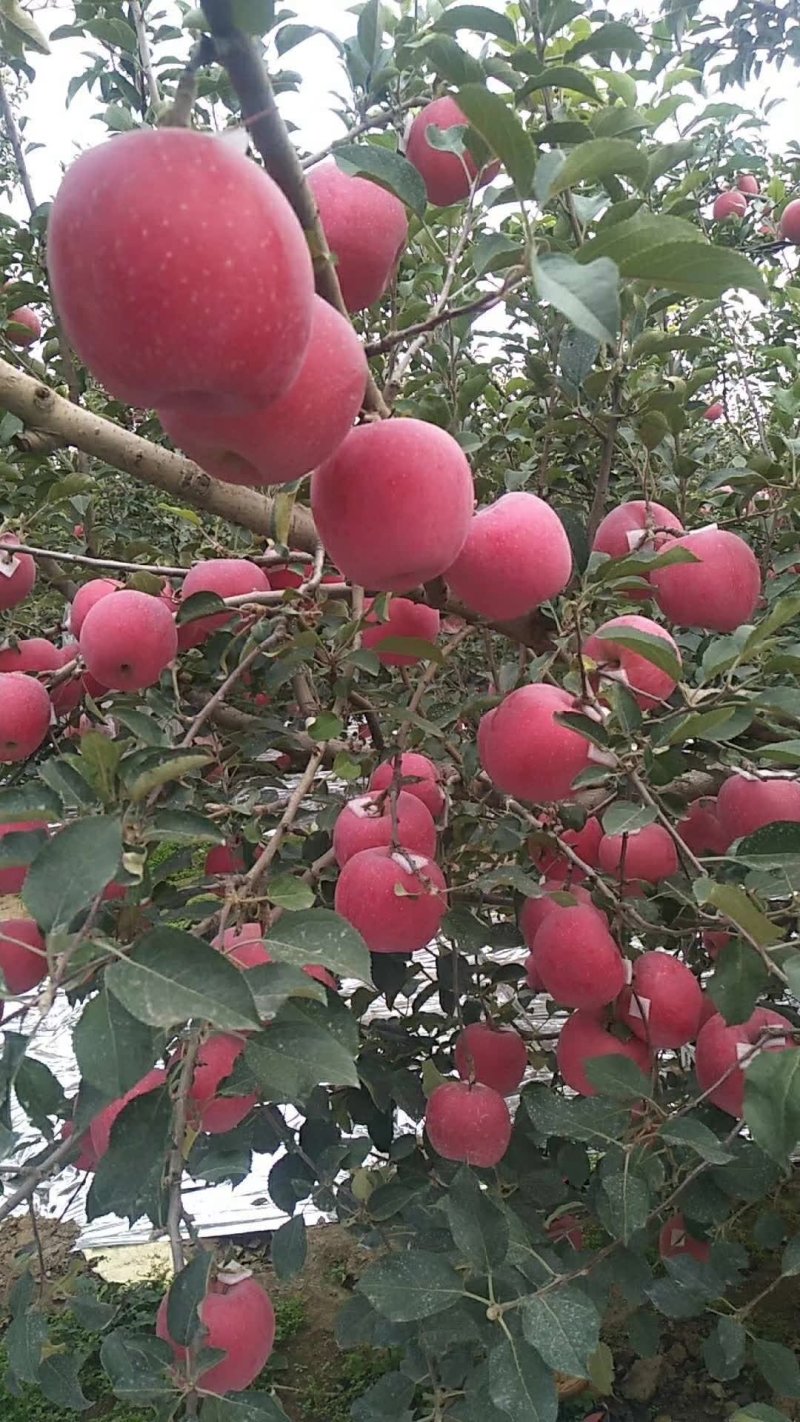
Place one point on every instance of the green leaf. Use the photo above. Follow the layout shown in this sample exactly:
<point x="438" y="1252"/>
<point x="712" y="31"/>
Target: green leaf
<point x="724" y="1349"/>
<point x="560" y="76"/>
<point x="415" y="647"/>
<point x="653" y="649"/>
<point x="136" y="1365"/>
<point x="772" y="1101"/>
<point x="23" y="1342"/>
<point x="182" y="827"/>
<point x="186" y="1294"/>
<point x="759" y="1412"/>
<point x="520" y="1384"/>
<point x="599" y="158"/>
<point x="39" y="1093"/>
<point x="31" y="801"/>
<point x="563" y="1326"/>
<point x="575" y="1118"/>
<point x="409" y="1286"/>
<point x="500" y="128"/>
<point x="619" y="1077"/>
<point x="738" y="980"/>
<point x="201" y="604"/>
<point x="790" y="1264"/>
<point x="779" y="1366"/>
<point x="321" y="936"/>
<point x="60" y="1382"/>
<point x="633" y="238"/>
<point x="325" y="727"/>
<point x="736" y="905"/>
<point x="171" y="976"/>
<point x="625" y="817"/>
<point x="113" y="1049"/>
<point x="369" y="32"/>
<point x="289" y="891"/>
<point x="687" y="1131"/>
<point x="148" y="770"/>
<point x="705" y="271"/>
<point x="243" y="1407"/>
<point x="129" y="1181"/>
<point x="71" y="870"/>
<point x="387" y="1400"/>
<point x="289" y="1248"/>
<point x="623" y="1204"/>
<point x="21" y="29"/>
<point x="478" y="18"/>
<point x="292" y="1058"/>
<point x="588" y="296"/>
<point x="273" y="983"/>
<point x="773" y="846"/>
<point x="478" y="1227"/>
<point x="388" y="168"/>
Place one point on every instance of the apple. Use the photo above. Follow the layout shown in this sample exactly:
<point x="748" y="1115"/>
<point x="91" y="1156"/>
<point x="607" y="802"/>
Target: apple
<point x="448" y="177"/>
<point x="534" y="911"/>
<point x="747" y="183"/>
<point x="396" y="900"/>
<point x="470" y="1123"/>
<point x="715" y="411"/>
<point x="102" y="1124"/>
<point x="393" y="505"/>
<point x="68" y="694"/>
<point x="418" y="776"/>
<point x="634" y="525"/>
<point x="577" y="959"/>
<point x="718" y="592"/>
<point x="224" y="859"/>
<point x="245" y="946"/>
<point x="674" y="1240"/>
<point x="721" y="1048"/>
<point x="31" y="654"/>
<point x="227" y="577"/>
<point x="239" y="1321"/>
<point x="789" y="226"/>
<point x="23" y="959"/>
<point x="714" y="940"/>
<point x="86" y="597"/>
<point x="649" y="684"/>
<point x="13" y="877"/>
<point x="216" y="1058"/>
<point x="180" y="272"/>
<point x="86" y="1159"/>
<point x="646" y="854"/>
<point x="517" y="556"/>
<point x="525" y="751"/>
<point x="404" y="619"/>
<point x="17" y="574"/>
<point x="288" y="437"/>
<point x="731" y="203"/>
<point x="494" y="1056"/>
<point x="567" y="1229"/>
<point x="23" y="327"/>
<point x="662" y="1005"/>
<point x="701" y="830"/>
<point x="128" y="640"/>
<point x="25" y="711"/>
<point x="367" y="822"/>
<point x="745" y="804"/>
<point x="554" y="864"/>
<point x="366" y="229"/>
<point x="583" y="1038"/>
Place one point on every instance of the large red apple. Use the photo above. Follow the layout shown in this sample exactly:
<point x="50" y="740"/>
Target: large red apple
<point x="246" y="947"/>
<point x="17" y="574"/>
<point x="239" y="1321"/>
<point x="517" y="556"/>
<point x="525" y="751"/>
<point x="731" y="203"/>
<point x="101" y="1126"/>
<point x="448" y="177"/>
<point x="31" y="654"/>
<point x="368" y="822"/>
<point x="701" y="830"/>
<point x="396" y="900"/>
<point x="419" y="776"/>
<point x="405" y="619"/>
<point x="534" y="911"/>
<point x="583" y="1038"/>
<point x="127" y="640"/>
<point x="647" y="854"/>
<point x="468" y="1123"/>
<point x="366" y="229"/>
<point x="634" y="525"/>
<point x="25" y="711"/>
<point x="718" y="592"/>
<point x="663" y="1003"/>
<point x="649" y="684"/>
<point x="745" y="804"/>
<point x="393" y="505"/>
<point x="23" y="959"/>
<point x="180" y="272"/>
<point x="747" y="183"/>
<point x="290" y="436"/>
<point x="721" y="1048"/>
<point x="227" y="577"/>
<point x="216" y="1059"/>
<point x="554" y="863"/>
<point x="577" y="959"/>
<point x="494" y="1056"/>
<point x="86" y="597"/>
<point x="790" y="222"/>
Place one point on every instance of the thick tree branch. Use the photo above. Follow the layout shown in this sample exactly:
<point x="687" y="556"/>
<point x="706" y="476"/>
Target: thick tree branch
<point x="38" y="1173"/>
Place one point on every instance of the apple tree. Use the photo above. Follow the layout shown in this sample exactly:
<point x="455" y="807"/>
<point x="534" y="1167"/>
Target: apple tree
<point x="398" y="709"/>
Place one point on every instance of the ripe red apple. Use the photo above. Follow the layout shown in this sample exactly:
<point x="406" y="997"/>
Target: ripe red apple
<point x="662" y="1005"/>
<point x="634" y="525"/>
<point x="393" y="505"/>
<point x="245" y="946"/>
<point x="448" y="177"/>
<point x="554" y="864"/>
<point x="102" y="1124"/>
<point x="86" y="1158"/>
<point x="701" y="830"/>
<point x="715" y="411"/>
<point x="582" y="1038"/>
<point x="534" y="911"/>
<point x="290" y="436"/>
<point x="239" y="1321"/>
<point x="86" y="597"/>
<point x="68" y="694"/>
<point x="517" y="556"/>
<point x="714" y="940"/>
<point x="747" y="183"/>
<point x="649" y="683"/>
<point x="525" y="751"/>
<point x="567" y="1228"/>
<point x="366" y="229"/>
<point x="17" y="574"/>
<point x="31" y="654"/>
<point x="22" y="955"/>
<point x="224" y="859"/>
<point x="419" y="777"/>
<point x="674" y="1240"/>
<point x="731" y="203"/>
<point x="719" y="592"/>
<point x="128" y="640"/>
<point x="227" y="577"/>
<point x="720" y="1048"/>
<point x="577" y="959"/>
<point x="468" y="1123"/>
<point x="180" y="272"/>
<point x="405" y="619"/>
<point x="25" y="711"/>
<point x="366" y="823"/>
<point x="789" y="227"/>
<point x="647" y="854"/>
<point x="23" y="328"/>
<point x="396" y="900"/>
<point x="12" y="878"/>
<point x="745" y="804"/>
<point x="494" y="1056"/>
<point x="216" y="1059"/>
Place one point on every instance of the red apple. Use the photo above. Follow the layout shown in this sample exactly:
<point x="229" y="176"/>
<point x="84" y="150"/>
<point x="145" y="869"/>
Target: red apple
<point x="101" y="1126"/>
<point x="180" y="272"/>
<point x="717" y="593"/>
<point x="534" y="911"/>
<point x="731" y="203"/>
<point x="582" y="1039"/>
<point x="291" y="435"/>
<point x="393" y="505"/>
<point x="245" y="946"/>
<point x="494" y="1056"/>
<point x="68" y="694"/>
<point x="394" y="899"/>
<point x="577" y="959"/>
<point x="662" y="1005"/>
<point x="714" y="940"/>
<point x="227" y="577"/>
<point x="239" y="1321"/>
<point x="517" y="556"/>
<point x="12" y="878"/>
<point x="567" y="1228"/>
<point x="789" y="227"/>
<point x="366" y="229"/>
<point x="86" y="1158"/>
<point x="649" y="683"/>
<point x="701" y="830"/>
<point x="647" y="854"/>
<point x="747" y="183"/>
<point x="128" y="640"/>
<point x="216" y="1059"/>
<point x="23" y="959"/>
<point x="419" y="777"/>
<point x="468" y="1123"/>
<point x="721" y="1048"/>
<point x="86" y="597"/>
<point x="367" y="822"/>
<point x="634" y="525"/>
<point x="715" y="411"/>
<point x="405" y="619"/>
<point x="23" y="328"/>
<point x="525" y="751"/>
<point x="448" y="177"/>
<point x="675" y="1240"/>
<point x="17" y="574"/>
<point x="224" y="859"/>
<point x="25" y="711"/>
<point x="554" y="864"/>
<point x="745" y="804"/>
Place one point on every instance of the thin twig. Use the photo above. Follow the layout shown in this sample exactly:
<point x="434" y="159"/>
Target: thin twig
<point x="439" y="318"/>
<point x="145" y="57"/>
<point x="49" y="1166"/>
<point x="177" y="1159"/>
<point x="207" y="711"/>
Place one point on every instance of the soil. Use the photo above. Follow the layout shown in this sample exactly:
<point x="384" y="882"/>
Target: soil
<point x="18" y="1249"/>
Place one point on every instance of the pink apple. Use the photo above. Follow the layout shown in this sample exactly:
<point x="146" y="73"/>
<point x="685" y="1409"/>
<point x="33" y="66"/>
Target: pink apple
<point x="86" y="597"/>
<point x="649" y="684"/>
<point x="127" y="640"/>
<point x="227" y="577"/>
<point x="246" y="947"/>
<point x="468" y="1123"/>
<point x="494" y="1056"/>
<point x="584" y="1038"/>
<point x="534" y="911"/>
<point x="23" y="959"/>
<point x="674" y="1240"/>
<point x="790" y="222"/>
<point x="366" y="229"/>
<point x="17" y="573"/>
<point x="717" y="593"/>
<point x="634" y="525"/>
<point x="394" y="899"/>
<point x="525" y="751"/>
<point x="23" y="328"/>
<point x="368" y="822"/>
<point x="418" y="776"/>
<point x="745" y="804"/>
<point x="701" y="830"/>
<point x="731" y="203"/>
<point x="405" y="619"/>
<point x="647" y="854"/>
<point x="517" y="556"/>
<point x="721" y="1048"/>
<point x="25" y="711"/>
<point x="577" y="959"/>
<point x="102" y="1124"/>
<point x="216" y="1114"/>
<point x="715" y="411"/>
<point x="448" y="177"/>
<point x="238" y="1321"/>
<point x="31" y="654"/>
<point x="747" y="183"/>
<point x="662" y="1005"/>
<point x="554" y="864"/>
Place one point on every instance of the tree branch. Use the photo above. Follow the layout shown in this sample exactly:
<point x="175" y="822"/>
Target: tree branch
<point x="439" y="318"/>
<point x="145" y="57"/>
<point x="38" y="1173"/>
<point x="604" y="472"/>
